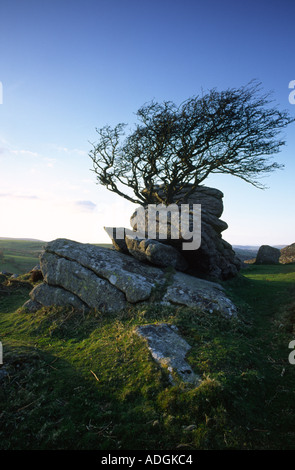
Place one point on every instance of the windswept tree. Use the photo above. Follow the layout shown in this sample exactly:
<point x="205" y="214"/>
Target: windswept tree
<point x="232" y="132"/>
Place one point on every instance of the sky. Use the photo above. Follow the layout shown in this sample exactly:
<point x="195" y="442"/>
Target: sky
<point x="69" y="67"/>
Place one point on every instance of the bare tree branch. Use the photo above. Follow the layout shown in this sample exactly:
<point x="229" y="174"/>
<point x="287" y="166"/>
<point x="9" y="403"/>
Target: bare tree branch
<point x="232" y="132"/>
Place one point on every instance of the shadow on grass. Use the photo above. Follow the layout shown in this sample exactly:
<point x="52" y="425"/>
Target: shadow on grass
<point x="46" y="403"/>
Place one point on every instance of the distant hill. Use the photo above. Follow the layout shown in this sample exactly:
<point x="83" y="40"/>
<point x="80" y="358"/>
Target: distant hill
<point x="249" y="253"/>
<point x="24" y="239"/>
<point x="245" y="252"/>
<point x="18" y="256"/>
<point x="255" y="247"/>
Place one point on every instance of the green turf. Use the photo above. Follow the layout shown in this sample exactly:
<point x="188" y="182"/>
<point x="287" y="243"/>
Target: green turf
<point x="89" y="382"/>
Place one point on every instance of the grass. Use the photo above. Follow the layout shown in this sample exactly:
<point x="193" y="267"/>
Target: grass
<point x="78" y="381"/>
<point x="18" y="256"/>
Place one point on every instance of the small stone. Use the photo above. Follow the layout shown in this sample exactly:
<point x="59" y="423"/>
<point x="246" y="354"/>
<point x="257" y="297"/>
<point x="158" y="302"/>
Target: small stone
<point x="189" y="428"/>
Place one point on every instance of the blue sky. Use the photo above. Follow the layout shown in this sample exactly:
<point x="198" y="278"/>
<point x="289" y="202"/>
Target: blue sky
<point x="69" y="67"/>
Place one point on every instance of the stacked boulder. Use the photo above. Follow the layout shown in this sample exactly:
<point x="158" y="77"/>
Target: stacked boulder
<point x="214" y="258"/>
<point x="139" y="268"/>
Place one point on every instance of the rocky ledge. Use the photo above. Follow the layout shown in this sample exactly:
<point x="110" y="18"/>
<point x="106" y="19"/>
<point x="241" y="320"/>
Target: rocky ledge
<point x="87" y="276"/>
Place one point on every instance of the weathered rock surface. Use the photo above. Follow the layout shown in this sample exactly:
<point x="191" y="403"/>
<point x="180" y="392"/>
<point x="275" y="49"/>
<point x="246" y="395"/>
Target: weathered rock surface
<point x="82" y="275"/>
<point x="155" y="252"/>
<point x="91" y="289"/>
<point x="268" y="255"/>
<point x="215" y="258"/>
<point x="169" y="349"/>
<point x="123" y="272"/>
<point x="47" y="295"/>
<point x="146" y="249"/>
<point x="117" y="235"/>
<point x="191" y="291"/>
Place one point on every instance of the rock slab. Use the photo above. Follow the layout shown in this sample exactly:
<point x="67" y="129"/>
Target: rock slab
<point x="193" y="292"/>
<point x="87" y="276"/>
<point x="169" y="349"/>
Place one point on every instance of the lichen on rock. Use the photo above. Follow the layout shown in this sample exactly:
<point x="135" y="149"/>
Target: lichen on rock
<point x="100" y="278"/>
<point x="169" y="349"/>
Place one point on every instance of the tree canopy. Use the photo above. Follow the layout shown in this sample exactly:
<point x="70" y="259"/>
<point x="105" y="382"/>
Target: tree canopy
<point x="234" y="132"/>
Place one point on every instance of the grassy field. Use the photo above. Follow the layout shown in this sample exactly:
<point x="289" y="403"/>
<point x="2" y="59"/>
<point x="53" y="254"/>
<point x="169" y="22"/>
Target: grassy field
<point x="18" y="256"/>
<point x="88" y="382"/>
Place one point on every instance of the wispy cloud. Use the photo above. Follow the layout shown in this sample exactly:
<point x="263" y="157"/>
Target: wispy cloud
<point x="23" y="152"/>
<point x="85" y="206"/>
<point x="19" y="196"/>
<point x="9" y="149"/>
<point x="50" y="162"/>
<point x="69" y="150"/>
